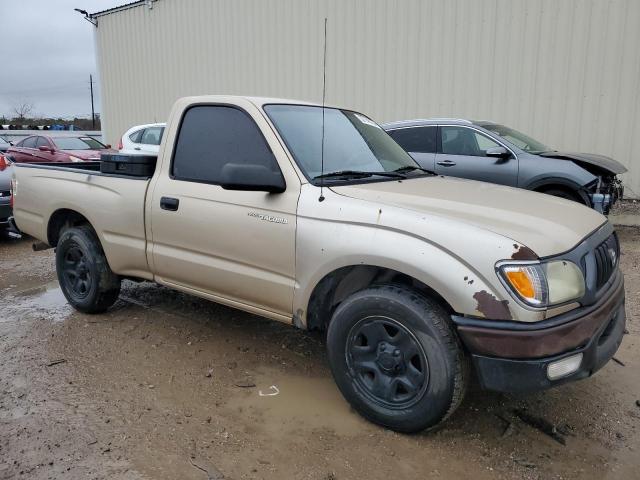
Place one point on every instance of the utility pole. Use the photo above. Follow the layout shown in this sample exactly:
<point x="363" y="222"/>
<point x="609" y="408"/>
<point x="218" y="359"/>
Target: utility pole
<point x="93" y="115"/>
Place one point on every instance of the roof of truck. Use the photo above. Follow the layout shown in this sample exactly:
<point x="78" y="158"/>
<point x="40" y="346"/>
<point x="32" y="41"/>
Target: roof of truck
<point x="257" y="101"/>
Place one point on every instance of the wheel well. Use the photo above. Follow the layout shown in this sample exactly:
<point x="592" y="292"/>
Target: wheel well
<point x="575" y="192"/>
<point x="339" y="284"/>
<point x="61" y="219"/>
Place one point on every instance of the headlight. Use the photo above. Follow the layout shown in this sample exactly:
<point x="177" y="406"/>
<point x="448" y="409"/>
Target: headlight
<point x="75" y="159"/>
<point x="543" y="284"/>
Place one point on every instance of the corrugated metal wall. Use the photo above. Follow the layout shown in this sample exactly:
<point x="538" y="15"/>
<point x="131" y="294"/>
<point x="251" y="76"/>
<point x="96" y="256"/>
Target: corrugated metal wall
<point x="567" y="72"/>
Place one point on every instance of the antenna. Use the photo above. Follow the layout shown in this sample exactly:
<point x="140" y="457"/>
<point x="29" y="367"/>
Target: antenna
<point x="324" y="90"/>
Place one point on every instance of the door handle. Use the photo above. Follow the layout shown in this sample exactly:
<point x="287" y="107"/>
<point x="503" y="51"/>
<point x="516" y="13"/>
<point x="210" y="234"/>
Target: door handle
<point x="168" y="203"/>
<point x="137" y="148"/>
<point x="447" y="163"/>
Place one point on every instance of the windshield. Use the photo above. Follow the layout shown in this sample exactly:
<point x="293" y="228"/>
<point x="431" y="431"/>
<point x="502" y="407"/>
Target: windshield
<point x="352" y="142"/>
<point x="3" y="141"/>
<point x="520" y="140"/>
<point x="75" y="143"/>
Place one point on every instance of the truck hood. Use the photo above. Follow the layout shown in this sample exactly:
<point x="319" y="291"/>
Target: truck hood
<point x="547" y="225"/>
<point x="600" y="161"/>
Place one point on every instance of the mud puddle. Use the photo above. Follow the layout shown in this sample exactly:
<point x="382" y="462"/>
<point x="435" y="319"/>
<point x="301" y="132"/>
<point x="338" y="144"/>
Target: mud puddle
<point x="282" y="404"/>
<point x="45" y="301"/>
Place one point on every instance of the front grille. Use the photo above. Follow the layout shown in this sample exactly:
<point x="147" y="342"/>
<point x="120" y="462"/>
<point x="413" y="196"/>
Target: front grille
<point x="606" y="255"/>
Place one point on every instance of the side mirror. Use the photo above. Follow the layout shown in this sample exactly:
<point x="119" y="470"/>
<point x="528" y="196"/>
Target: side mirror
<point x="498" y="152"/>
<point x="107" y="146"/>
<point x="44" y="148"/>
<point x="256" y="178"/>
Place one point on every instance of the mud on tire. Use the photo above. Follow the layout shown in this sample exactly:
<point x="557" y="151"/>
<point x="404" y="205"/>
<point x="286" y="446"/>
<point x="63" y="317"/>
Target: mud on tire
<point x="83" y="272"/>
<point x="396" y="358"/>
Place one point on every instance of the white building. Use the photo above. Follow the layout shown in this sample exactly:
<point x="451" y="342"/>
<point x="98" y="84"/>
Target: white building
<point x="566" y="72"/>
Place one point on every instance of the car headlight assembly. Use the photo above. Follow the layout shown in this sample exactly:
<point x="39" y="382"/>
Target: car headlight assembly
<point x="545" y="284"/>
<point x="74" y="159"/>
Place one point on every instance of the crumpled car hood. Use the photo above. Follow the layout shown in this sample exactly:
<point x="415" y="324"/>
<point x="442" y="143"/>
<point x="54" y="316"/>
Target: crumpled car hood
<point x="601" y="161"/>
<point x="547" y="225"/>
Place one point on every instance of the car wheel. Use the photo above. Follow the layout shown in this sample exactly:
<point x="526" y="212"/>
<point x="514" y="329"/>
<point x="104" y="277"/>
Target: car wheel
<point x="396" y="358"/>
<point x="83" y="272"/>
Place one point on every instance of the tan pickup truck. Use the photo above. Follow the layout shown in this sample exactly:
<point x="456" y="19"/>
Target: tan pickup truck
<point x="315" y="217"/>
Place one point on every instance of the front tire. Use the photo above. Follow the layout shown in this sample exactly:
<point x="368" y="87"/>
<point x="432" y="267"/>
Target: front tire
<point x="83" y="271"/>
<point x="396" y="359"/>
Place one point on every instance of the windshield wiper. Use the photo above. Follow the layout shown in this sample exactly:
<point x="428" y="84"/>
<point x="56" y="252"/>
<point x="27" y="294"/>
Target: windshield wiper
<point x="411" y="168"/>
<point x="358" y="174"/>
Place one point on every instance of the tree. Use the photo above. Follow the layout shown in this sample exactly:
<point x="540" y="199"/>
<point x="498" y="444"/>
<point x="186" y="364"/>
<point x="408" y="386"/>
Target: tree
<point x="22" y="109"/>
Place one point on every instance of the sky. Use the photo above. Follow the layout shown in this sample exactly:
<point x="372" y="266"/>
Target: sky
<point x="47" y="55"/>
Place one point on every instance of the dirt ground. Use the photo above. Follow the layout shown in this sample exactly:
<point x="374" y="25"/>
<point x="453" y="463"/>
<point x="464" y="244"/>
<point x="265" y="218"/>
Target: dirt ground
<point x="166" y="386"/>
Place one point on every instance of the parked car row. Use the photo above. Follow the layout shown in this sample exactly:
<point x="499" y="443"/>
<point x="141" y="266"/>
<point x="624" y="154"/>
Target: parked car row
<point x="477" y="150"/>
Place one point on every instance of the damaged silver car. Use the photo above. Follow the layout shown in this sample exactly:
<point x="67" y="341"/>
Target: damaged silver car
<point x="490" y="152"/>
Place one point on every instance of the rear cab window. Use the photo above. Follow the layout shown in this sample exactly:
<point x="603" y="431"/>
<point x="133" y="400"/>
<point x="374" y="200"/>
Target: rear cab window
<point x="212" y="136"/>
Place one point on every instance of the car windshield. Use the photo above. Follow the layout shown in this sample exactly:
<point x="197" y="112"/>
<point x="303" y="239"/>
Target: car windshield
<point x="78" y="143"/>
<point x="354" y="145"/>
<point x="3" y="141"/>
<point x="519" y="139"/>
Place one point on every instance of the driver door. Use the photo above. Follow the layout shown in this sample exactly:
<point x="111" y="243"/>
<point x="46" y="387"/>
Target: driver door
<point x="462" y="153"/>
<point x="236" y="246"/>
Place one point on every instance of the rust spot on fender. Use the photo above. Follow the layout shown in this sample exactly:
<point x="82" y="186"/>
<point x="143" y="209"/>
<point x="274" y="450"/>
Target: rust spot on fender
<point x="523" y="253"/>
<point x="491" y="307"/>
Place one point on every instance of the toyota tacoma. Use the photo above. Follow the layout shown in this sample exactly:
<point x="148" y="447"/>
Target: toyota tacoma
<point x="314" y="216"/>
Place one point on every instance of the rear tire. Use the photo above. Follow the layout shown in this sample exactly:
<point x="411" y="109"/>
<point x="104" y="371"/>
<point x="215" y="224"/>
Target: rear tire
<point x="83" y="271"/>
<point x="396" y="358"/>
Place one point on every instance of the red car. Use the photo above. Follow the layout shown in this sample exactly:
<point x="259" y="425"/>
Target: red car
<point x="40" y="149"/>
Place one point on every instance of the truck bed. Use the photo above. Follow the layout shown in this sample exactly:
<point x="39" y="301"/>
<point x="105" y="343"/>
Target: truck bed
<point x="113" y="203"/>
<point x="81" y="167"/>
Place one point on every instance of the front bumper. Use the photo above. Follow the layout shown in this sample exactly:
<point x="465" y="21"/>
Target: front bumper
<point x="514" y="357"/>
<point x="602" y="201"/>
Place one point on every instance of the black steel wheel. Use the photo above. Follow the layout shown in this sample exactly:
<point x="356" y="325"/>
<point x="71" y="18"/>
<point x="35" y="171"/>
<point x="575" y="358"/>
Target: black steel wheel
<point x="83" y="271"/>
<point x="387" y="362"/>
<point x="396" y="358"/>
<point x="76" y="271"/>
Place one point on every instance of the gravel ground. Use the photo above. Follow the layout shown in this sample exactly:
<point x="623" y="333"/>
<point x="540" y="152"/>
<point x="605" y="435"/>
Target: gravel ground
<point x="167" y="386"/>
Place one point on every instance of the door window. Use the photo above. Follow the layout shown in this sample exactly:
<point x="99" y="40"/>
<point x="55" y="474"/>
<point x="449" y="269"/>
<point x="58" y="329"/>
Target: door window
<point x="152" y="136"/>
<point x="416" y="139"/>
<point x="29" y="142"/>
<point x="465" y="141"/>
<point x="212" y="136"/>
<point x="135" y="136"/>
<point x="42" y="142"/>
